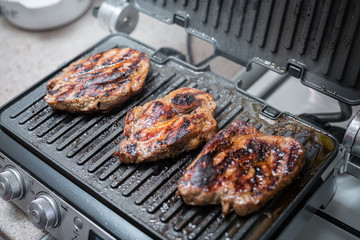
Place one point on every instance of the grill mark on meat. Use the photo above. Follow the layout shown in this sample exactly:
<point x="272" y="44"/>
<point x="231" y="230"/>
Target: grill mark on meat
<point x="260" y="148"/>
<point x="178" y="133"/>
<point x="96" y="57"/>
<point x="186" y="102"/>
<point x="78" y="66"/>
<point x="273" y="180"/>
<point x="100" y="77"/>
<point x="64" y="95"/>
<point x="53" y="92"/>
<point x="131" y="148"/>
<point x="111" y="61"/>
<point x="157" y="110"/>
<point x="204" y="171"/>
<point x="248" y="169"/>
<point x="94" y="90"/>
<point x="161" y="128"/>
<point x="259" y="172"/>
<point x="292" y="156"/>
<point x="81" y="92"/>
<point x="153" y="113"/>
<point x="116" y="75"/>
<point x="221" y="168"/>
<point x="111" y="90"/>
<point x="137" y="135"/>
<point x="183" y="99"/>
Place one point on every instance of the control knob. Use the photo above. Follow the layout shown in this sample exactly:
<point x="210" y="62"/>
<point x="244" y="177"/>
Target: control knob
<point x="44" y="212"/>
<point x="12" y="185"/>
<point x="117" y="16"/>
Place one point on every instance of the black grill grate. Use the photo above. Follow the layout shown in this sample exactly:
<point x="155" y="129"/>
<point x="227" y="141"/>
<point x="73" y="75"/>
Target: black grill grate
<point x="82" y="148"/>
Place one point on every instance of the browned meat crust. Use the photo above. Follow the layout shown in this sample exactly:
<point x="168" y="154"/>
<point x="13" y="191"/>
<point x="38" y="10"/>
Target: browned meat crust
<point x="100" y="82"/>
<point x="178" y="122"/>
<point x="242" y="169"/>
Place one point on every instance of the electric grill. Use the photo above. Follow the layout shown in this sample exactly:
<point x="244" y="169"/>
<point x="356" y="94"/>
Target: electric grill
<point x="59" y="167"/>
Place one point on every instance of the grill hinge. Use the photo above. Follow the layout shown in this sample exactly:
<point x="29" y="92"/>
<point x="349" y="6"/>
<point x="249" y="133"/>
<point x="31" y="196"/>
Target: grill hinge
<point x="270" y="112"/>
<point x="350" y="149"/>
<point x="162" y="54"/>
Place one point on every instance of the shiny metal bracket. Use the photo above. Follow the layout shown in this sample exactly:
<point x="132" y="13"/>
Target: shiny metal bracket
<point x="350" y="149"/>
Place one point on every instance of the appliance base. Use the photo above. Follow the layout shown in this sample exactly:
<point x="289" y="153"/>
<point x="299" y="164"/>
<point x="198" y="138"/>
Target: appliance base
<point x="73" y="224"/>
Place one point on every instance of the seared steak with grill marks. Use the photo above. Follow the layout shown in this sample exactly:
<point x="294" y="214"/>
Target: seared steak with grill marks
<point x="178" y="122"/>
<point x="100" y="82"/>
<point x="242" y="169"/>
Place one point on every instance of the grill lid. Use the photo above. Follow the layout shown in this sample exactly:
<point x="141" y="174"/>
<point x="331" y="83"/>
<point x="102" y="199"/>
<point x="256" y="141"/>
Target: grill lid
<point x="316" y="41"/>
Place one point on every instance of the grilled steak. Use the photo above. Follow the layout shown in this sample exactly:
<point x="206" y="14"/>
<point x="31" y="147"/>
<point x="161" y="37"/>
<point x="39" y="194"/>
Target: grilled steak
<point x="242" y="169"/>
<point x="100" y="82"/>
<point x="178" y="122"/>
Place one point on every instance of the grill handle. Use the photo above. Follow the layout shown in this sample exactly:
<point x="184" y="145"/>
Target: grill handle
<point x="351" y="148"/>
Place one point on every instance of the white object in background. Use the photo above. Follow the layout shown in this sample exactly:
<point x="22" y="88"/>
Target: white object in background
<point x="42" y="14"/>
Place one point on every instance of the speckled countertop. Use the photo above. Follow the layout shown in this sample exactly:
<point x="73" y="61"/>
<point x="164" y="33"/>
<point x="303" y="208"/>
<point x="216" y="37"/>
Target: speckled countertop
<point x="27" y="56"/>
